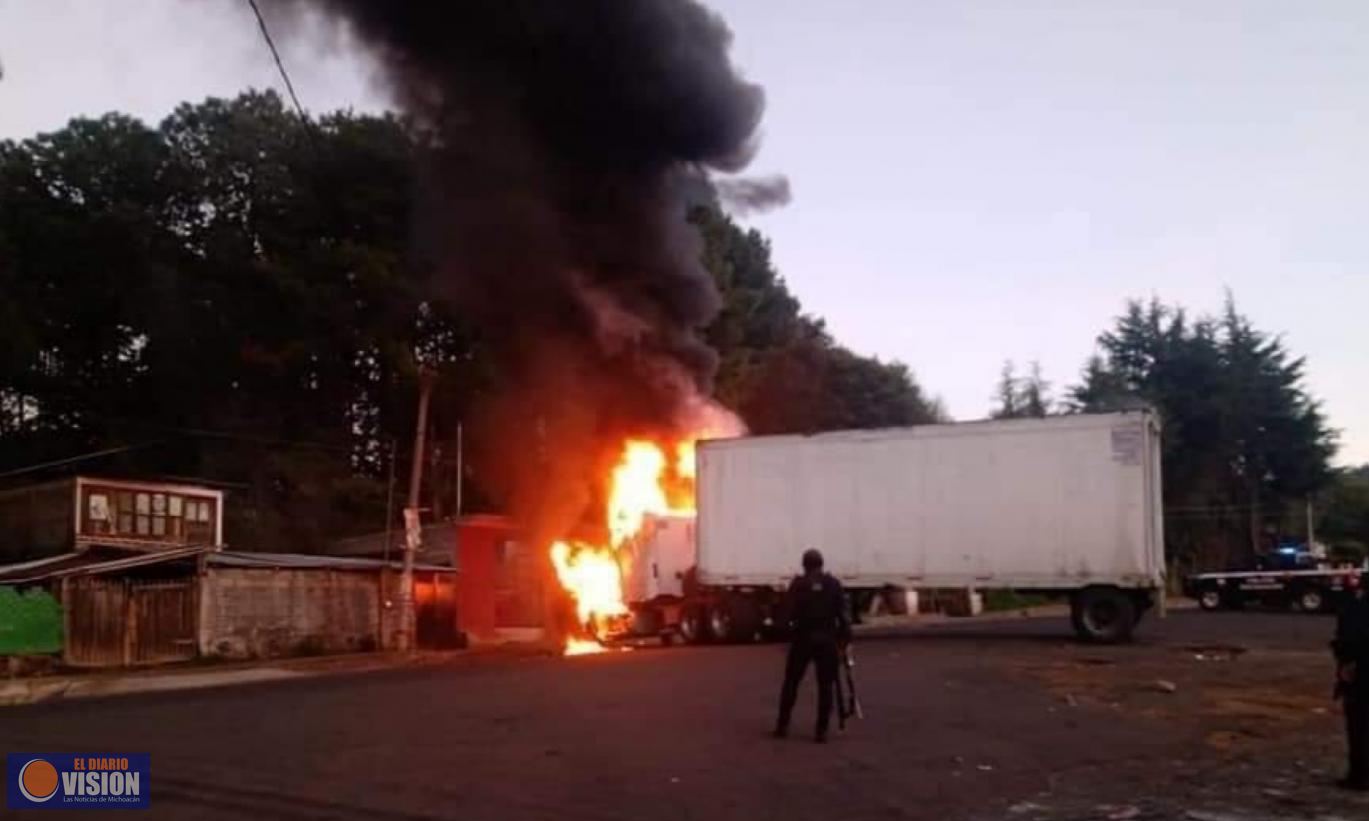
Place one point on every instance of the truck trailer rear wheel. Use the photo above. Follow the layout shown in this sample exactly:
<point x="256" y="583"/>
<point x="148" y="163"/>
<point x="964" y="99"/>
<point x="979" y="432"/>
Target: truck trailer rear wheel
<point x="720" y="620"/>
<point x="1103" y="614"/>
<point x="734" y="618"/>
<point x="692" y="628"/>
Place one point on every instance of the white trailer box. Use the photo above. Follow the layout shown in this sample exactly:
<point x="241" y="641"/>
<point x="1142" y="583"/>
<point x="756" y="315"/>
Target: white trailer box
<point x="1066" y="504"/>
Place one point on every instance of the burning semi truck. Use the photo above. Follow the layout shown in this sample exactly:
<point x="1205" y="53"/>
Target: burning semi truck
<point x="1068" y="505"/>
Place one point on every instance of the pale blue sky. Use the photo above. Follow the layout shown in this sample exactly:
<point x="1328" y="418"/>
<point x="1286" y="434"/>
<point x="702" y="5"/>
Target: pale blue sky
<point x="973" y="180"/>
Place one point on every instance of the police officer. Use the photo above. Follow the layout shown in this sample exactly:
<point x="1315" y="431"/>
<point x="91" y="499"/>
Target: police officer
<point x="819" y="625"/>
<point x="1351" y="647"/>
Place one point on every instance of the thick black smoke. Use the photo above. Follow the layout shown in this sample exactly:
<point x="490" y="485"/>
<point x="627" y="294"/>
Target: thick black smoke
<point x="748" y="195"/>
<point x="571" y="136"/>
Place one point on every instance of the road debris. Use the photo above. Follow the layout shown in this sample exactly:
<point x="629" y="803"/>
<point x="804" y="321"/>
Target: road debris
<point x="1025" y="807"/>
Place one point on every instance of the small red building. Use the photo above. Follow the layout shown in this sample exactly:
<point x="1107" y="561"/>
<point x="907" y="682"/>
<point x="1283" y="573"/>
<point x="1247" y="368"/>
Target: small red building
<point x="500" y="586"/>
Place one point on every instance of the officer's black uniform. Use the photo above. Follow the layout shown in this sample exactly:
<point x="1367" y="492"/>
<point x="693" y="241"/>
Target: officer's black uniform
<point x="1351" y="647"/>
<point x="819" y="622"/>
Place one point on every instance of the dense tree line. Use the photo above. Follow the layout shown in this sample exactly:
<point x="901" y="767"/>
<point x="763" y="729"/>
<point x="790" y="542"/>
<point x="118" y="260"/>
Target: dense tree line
<point x="235" y="295"/>
<point x="1343" y="513"/>
<point x="1245" y="446"/>
<point x="1022" y="397"/>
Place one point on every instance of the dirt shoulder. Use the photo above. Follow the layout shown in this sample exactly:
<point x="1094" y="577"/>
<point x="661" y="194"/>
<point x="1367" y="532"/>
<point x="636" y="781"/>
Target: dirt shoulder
<point x="1258" y="734"/>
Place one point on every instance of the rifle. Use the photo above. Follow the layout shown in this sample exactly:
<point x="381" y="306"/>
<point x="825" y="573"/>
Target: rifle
<point x="847" y="664"/>
<point x="842" y="713"/>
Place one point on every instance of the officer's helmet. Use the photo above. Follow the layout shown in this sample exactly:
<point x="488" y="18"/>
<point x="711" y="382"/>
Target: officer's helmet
<point x="812" y="559"/>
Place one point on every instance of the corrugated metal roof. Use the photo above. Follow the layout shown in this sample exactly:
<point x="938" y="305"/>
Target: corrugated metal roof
<point x="304" y="561"/>
<point x="435" y="545"/>
<point x="37" y="564"/>
<point x="91" y="563"/>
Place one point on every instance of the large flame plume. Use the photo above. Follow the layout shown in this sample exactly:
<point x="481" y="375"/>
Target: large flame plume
<point x="650" y="478"/>
<point x="645" y="481"/>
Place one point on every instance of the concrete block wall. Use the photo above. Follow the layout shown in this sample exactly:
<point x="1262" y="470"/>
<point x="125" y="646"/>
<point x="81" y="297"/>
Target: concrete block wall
<point x="263" y="612"/>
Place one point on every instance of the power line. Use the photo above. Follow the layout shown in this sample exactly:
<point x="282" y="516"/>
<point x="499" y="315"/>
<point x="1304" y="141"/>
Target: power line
<point x="253" y="439"/>
<point x="247" y="437"/>
<point x="284" y="75"/>
<point x="205" y="433"/>
<point x="74" y="459"/>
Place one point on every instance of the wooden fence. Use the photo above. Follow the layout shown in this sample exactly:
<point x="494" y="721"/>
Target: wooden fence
<point x="112" y="622"/>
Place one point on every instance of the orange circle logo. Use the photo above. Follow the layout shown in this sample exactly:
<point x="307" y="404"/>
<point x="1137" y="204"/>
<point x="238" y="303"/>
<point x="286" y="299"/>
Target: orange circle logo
<point x="38" y="780"/>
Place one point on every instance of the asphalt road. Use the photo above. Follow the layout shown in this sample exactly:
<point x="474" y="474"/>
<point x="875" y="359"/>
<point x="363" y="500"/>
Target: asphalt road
<point x="1004" y="720"/>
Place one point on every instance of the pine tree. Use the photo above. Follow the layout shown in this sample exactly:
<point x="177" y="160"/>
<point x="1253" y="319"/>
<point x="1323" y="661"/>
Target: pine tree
<point x="1243" y="441"/>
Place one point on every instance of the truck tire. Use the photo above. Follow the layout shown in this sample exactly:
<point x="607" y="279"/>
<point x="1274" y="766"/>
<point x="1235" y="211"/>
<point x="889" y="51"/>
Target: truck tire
<point x="692" y="625"/>
<point x="1210" y="599"/>
<point x="721" y="624"/>
<point x="748" y="619"/>
<point x="1104" y="615"/>
<point x="734" y="619"/>
<point x="1311" y="600"/>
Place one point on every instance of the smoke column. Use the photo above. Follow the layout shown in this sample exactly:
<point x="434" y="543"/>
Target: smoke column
<point x="569" y="139"/>
<point x="745" y="196"/>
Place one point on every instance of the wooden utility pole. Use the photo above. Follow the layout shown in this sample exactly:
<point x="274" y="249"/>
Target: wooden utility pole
<point x="389" y="504"/>
<point x="435" y="480"/>
<point x="1311" y="527"/>
<point x="460" y="467"/>
<point x="413" y="530"/>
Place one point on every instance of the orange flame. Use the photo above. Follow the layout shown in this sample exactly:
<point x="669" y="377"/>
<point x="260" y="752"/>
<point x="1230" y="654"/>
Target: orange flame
<point x="684" y="459"/>
<point x="591" y="575"/>
<point x="583" y="647"/>
<point x="635" y="489"/>
<point x="640" y="484"/>
<point x="644" y="481"/>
